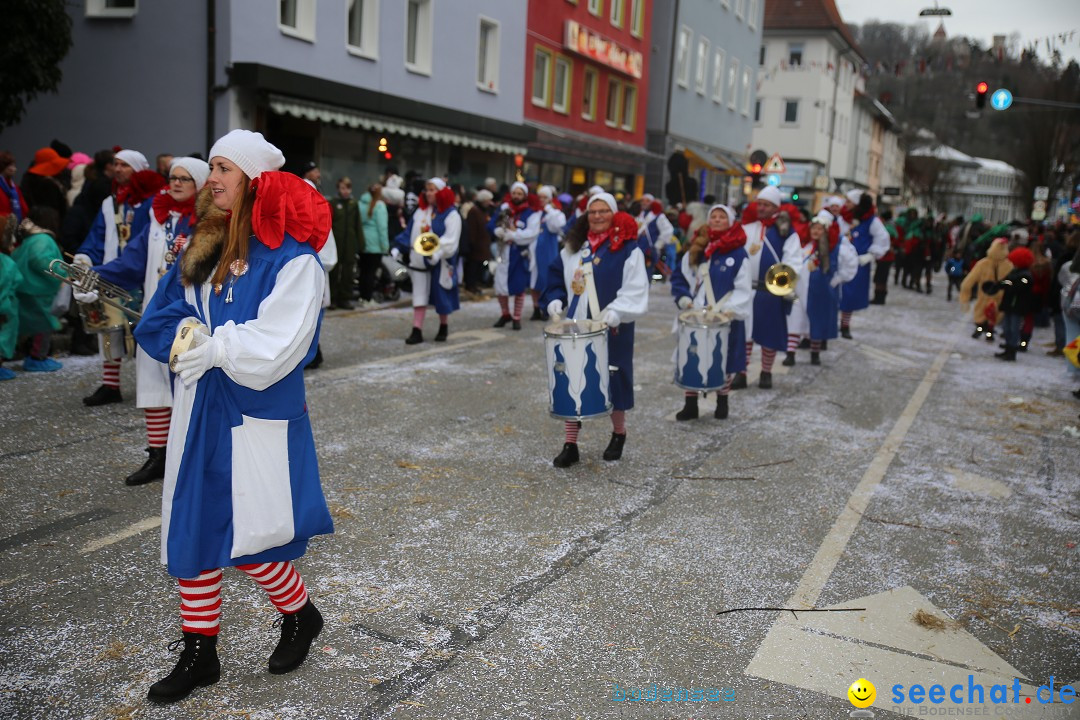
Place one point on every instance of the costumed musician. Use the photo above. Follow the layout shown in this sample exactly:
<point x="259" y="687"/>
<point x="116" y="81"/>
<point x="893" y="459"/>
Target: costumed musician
<point x="515" y="227"/>
<point x="831" y="261"/>
<point x="871" y="241"/>
<point x="545" y="248"/>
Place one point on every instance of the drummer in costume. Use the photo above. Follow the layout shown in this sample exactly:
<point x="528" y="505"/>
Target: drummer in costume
<point x="830" y="262"/>
<point x="515" y="227"/>
<point x="600" y="274"/>
<point x="145" y="260"/>
<point x="124" y="214"/>
<point x="657" y="232"/>
<point x="545" y="248"/>
<point x="716" y="269"/>
<point x="434" y="278"/>
<point x="768" y="242"/>
<point x="241" y="477"/>
<point x="871" y="241"/>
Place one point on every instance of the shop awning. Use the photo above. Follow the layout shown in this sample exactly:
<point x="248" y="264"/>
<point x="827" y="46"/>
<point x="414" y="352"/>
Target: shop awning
<point x="315" y="111"/>
<point x="720" y="163"/>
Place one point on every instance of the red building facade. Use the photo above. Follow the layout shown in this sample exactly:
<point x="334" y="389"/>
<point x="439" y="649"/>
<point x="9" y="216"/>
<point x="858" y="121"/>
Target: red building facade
<point x="586" y="85"/>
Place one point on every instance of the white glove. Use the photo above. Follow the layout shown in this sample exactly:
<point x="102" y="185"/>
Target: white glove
<point x="555" y="308"/>
<point x="82" y="259"/>
<point x="866" y="259"/>
<point x="684" y="302"/>
<point x="85" y="297"/>
<point x="209" y="352"/>
<point x="500" y="232"/>
<point x="610" y="318"/>
<point x="396" y="254"/>
<point x="835" y="281"/>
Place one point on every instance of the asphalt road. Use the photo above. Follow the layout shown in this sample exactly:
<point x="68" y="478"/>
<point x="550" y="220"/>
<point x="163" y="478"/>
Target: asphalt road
<point x="912" y="481"/>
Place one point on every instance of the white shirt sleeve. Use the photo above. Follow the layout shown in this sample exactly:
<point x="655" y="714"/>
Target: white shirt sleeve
<point x="260" y="352"/>
<point x="328" y="255"/>
<point x="666" y="231"/>
<point x="793" y="254"/>
<point x="849" y="261"/>
<point x="527" y="234"/>
<point x="741" y="302"/>
<point x="879" y="238"/>
<point x="555" y="220"/>
<point x="449" y="240"/>
<point x="632" y="300"/>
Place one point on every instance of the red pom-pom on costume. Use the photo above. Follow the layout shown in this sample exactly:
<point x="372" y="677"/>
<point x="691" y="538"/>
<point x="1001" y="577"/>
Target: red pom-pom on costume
<point x="142" y="186"/>
<point x="1021" y="257"/>
<point x="656" y="207"/>
<point x="624" y="227"/>
<point x="286" y="204"/>
<point x="444" y="199"/>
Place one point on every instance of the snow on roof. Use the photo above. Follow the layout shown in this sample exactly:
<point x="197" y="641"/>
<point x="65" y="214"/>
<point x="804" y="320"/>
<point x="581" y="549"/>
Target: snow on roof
<point x="944" y="152"/>
<point x="997" y="166"/>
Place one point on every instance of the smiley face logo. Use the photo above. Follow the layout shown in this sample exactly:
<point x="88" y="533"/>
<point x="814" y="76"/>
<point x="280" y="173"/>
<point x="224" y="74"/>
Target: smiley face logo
<point x="862" y="693"/>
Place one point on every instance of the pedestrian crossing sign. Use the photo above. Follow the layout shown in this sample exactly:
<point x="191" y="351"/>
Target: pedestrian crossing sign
<point x="775" y="165"/>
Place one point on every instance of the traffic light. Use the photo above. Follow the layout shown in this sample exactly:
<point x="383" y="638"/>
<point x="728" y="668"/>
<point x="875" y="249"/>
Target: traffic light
<point x="755" y="166"/>
<point x="755" y="174"/>
<point x="980" y="95"/>
<point x="794" y="196"/>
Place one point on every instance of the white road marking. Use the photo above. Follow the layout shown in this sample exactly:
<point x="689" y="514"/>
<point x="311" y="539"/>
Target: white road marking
<point x="130" y="531"/>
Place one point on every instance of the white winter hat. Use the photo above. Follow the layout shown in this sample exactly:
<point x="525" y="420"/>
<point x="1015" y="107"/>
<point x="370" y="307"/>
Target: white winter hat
<point x="604" y="198"/>
<point x="249" y="151"/>
<point x="547" y="191"/>
<point x="198" y="169"/>
<point x="833" y="200"/>
<point x="728" y="210"/>
<point x="770" y="194"/>
<point x="595" y="190"/>
<point x="484" y="195"/>
<point x="854" y="196"/>
<point x="520" y="186"/>
<point x="438" y="182"/>
<point x="823" y="218"/>
<point x="134" y="158"/>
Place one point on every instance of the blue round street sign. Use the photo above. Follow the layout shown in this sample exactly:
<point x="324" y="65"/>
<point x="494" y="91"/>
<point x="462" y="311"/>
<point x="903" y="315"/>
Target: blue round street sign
<point x="1001" y="99"/>
<point x="774" y="180"/>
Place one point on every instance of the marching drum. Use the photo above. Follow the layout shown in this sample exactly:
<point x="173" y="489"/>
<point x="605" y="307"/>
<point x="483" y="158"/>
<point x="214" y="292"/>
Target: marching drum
<point x="577" y="365"/>
<point x="701" y="358"/>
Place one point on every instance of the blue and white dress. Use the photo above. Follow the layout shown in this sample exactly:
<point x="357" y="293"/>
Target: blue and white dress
<point x="823" y="289"/>
<point x="434" y="279"/>
<point x="545" y="248"/>
<point x="241" y="475"/>
<point x="621" y="285"/>
<point x="513" y="273"/>
<point x="867" y="237"/>
<point x="768" y="326"/>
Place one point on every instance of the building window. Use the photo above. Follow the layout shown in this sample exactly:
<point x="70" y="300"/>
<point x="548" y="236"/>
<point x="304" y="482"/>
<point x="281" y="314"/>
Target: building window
<point x="541" y="91"/>
<point x="761" y="57"/>
<point x="487" y="56"/>
<point x="718" y="76"/>
<point x="740" y="8"/>
<point x="588" y="93"/>
<point x="732" y="81"/>
<point x="560" y="94"/>
<point x="751" y="15"/>
<point x="637" y="18"/>
<point x="629" y="107"/>
<point x="613" y="102"/>
<point x="794" y="53"/>
<point x="746" y="80"/>
<point x="682" y="57"/>
<point x="757" y="111"/>
<point x="618" y="8"/>
<point x="701" y="78"/>
<point x="363" y="28"/>
<point x="296" y="18"/>
<point x="111" y="8"/>
<point x="418" y="37"/>
<point x="596" y="7"/>
<point x="791" y="112"/>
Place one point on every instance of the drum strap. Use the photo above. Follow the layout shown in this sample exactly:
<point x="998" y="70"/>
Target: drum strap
<point x="590" y="290"/>
<point x="706" y="280"/>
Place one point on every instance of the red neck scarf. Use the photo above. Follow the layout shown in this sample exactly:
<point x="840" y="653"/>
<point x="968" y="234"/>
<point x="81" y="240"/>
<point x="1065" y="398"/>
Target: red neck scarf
<point x="724" y="241"/>
<point x="849" y="215"/>
<point x="623" y="228"/>
<point x="598" y="239"/>
<point x="142" y="186"/>
<point x="164" y="203"/>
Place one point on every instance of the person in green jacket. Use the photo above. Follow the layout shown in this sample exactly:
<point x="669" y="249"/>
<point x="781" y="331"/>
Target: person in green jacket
<point x="376" y="240"/>
<point x="36" y="249"/>
<point x="350" y="240"/>
<point x="10" y="280"/>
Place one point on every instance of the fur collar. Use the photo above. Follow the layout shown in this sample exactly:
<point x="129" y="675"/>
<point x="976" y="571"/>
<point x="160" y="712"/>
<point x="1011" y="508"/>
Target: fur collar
<point x="204" y="248"/>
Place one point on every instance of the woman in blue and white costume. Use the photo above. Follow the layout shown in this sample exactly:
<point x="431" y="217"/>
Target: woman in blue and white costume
<point x="145" y="260"/>
<point x="825" y="271"/>
<point x="242" y="481"/>
<point x="515" y="228"/>
<point x="545" y="248"/>
<point x="716" y="265"/>
<point x="434" y="278"/>
<point x="871" y="241"/>
<point x="602" y="244"/>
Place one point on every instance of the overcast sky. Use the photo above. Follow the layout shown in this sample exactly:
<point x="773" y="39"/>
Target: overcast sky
<point x="981" y="19"/>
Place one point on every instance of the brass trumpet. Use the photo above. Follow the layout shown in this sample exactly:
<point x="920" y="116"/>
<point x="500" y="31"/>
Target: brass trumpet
<point x="426" y="244"/>
<point x="780" y="279"/>
<point x="84" y="279"/>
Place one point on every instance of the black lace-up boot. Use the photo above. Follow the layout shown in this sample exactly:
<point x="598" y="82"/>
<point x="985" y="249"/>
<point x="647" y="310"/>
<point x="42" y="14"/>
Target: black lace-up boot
<point x="198" y="666"/>
<point x="298" y="631"/>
